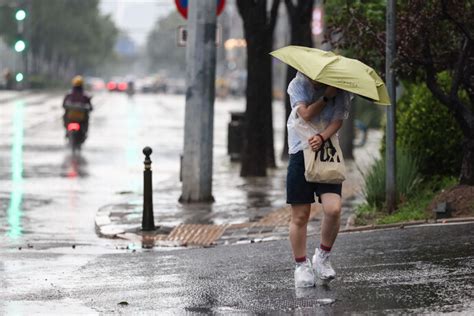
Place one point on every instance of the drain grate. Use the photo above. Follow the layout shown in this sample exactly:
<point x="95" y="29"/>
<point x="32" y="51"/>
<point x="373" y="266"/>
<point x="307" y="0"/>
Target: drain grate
<point x="196" y="234"/>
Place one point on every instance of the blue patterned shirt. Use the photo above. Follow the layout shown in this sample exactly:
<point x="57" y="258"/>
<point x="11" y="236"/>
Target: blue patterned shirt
<point x="301" y="89"/>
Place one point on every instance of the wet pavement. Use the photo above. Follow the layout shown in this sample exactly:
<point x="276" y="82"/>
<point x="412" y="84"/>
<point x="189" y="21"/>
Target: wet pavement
<point x="245" y="209"/>
<point x="423" y="270"/>
<point x="47" y="194"/>
<point x="53" y="262"/>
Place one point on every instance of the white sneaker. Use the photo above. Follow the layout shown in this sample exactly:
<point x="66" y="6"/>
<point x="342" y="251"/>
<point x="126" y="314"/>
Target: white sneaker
<point x="322" y="266"/>
<point x="304" y="274"/>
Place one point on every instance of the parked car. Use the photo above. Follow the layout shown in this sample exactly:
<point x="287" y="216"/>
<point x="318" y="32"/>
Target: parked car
<point x="176" y="86"/>
<point x="152" y="84"/>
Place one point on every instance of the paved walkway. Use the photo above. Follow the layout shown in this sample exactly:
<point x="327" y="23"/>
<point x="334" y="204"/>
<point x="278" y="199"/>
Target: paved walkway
<point x="255" y="210"/>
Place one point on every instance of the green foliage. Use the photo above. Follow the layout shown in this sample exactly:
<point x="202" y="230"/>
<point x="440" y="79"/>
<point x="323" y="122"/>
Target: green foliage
<point x="64" y="35"/>
<point x="43" y="82"/>
<point x="367" y="113"/>
<point x="427" y="129"/>
<point x="408" y="179"/>
<point x="357" y="27"/>
<point x="8" y="25"/>
<point x="411" y="210"/>
<point x="161" y="45"/>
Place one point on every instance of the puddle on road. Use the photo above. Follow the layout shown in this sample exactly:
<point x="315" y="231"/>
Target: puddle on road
<point x="59" y="307"/>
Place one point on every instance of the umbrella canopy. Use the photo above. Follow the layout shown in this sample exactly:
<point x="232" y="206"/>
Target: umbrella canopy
<point x="334" y="70"/>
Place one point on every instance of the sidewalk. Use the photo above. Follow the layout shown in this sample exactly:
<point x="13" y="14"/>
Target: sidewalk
<point x="245" y="210"/>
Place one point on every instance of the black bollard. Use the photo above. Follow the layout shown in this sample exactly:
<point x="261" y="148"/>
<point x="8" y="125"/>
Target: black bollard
<point x="148" y="220"/>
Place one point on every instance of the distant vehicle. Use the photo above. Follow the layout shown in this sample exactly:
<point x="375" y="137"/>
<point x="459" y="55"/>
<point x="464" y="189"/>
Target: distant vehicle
<point x="152" y="85"/>
<point x="176" y="86"/>
<point x="77" y="106"/>
<point x="117" y="85"/>
<point x="94" y="83"/>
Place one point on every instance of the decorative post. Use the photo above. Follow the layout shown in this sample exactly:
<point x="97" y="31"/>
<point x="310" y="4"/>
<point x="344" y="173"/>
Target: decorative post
<point x="148" y="220"/>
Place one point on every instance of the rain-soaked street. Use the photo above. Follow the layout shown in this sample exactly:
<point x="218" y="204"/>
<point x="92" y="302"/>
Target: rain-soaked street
<point x="53" y="262"/>
<point x="47" y="194"/>
<point x="409" y="271"/>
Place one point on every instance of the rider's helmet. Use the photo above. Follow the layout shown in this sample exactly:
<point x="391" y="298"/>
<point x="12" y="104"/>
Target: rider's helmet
<point x="77" y="81"/>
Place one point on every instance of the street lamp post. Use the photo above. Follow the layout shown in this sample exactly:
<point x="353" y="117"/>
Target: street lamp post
<point x="390" y="152"/>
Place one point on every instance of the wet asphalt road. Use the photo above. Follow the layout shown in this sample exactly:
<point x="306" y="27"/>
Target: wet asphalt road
<point x="48" y="200"/>
<point x="424" y="270"/>
<point x="48" y="196"/>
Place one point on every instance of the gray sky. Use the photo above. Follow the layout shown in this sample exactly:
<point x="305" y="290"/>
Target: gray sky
<point x="137" y="17"/>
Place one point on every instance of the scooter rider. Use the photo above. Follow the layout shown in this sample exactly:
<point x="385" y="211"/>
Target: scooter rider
<point x="77" y="99"/>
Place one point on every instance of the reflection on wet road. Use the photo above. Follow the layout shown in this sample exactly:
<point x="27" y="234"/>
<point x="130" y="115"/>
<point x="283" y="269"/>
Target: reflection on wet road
<point x="46" y="192"/>
<point x="14" y="211"/>
<point x="49" y="194"/>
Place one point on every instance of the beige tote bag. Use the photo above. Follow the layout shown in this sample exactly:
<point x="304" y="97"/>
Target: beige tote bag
<point x="327" y="164"/>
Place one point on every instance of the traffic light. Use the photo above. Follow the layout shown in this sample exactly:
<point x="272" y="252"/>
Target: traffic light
<point x="20" y="45"/>
<point x="19" y="77"/>
<point x="20" y="15"/>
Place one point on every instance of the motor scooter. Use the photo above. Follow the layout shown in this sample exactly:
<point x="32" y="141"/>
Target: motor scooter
<point x="76" y="123"/>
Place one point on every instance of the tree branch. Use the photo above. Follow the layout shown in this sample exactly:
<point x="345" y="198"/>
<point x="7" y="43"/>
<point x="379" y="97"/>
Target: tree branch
<point x="290" y="7"/>
<point x="459" y="25"/>
<point x="274" y="14"/>
<point x="461" y="113"/>
<point x="458" y="71"/>
<point x="244" y="7"/>
<point x="306" y="9"/>
<point x="431" y="81"/>
<point x="305" y="5"/>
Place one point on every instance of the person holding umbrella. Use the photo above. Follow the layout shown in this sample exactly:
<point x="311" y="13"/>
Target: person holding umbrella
<point x="324" y="106"/>
<point x="320" y="94"/>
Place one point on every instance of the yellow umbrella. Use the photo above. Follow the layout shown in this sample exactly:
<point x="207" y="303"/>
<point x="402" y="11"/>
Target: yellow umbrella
<point x="337" y="71"/>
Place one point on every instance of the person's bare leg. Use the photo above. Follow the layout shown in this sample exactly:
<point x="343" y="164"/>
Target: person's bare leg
<point x="298" y="228"/>
<point x="332" y="218"/>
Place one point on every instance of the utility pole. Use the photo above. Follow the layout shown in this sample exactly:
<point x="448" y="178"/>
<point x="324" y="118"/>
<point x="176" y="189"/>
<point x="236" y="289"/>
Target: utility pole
<point x="199" y="117"/>
<point x="390" y="152"/>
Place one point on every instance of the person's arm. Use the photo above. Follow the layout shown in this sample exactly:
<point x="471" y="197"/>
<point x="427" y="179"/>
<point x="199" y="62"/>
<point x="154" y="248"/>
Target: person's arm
<point x="308" y="112"/>
<point x="88" y="103"/>
<point x="64" y="101"/>
<point x="317" y="140"/>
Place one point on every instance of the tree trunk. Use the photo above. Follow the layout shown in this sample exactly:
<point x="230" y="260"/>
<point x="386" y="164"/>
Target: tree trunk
<point x="467" y="166"/>
<point x="254" y="146"/>
<point x="462" y="113"/>
<point x="299" y="18"/>
<point x="257" y="148"/>
<point x="268" y="102"/>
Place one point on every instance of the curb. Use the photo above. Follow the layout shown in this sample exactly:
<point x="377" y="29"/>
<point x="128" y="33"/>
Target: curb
<point x="119" y="221"/>
<point x="273" y="227"/>
<point x="405" y="224"/>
